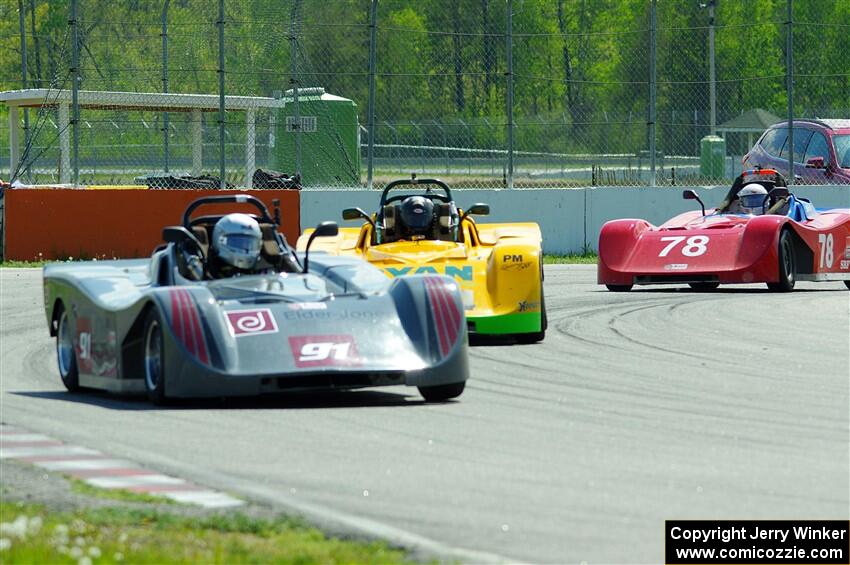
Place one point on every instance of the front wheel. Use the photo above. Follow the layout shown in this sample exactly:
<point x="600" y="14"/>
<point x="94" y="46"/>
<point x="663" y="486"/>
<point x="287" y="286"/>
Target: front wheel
<point x="441" y="393"/>
<point x="619" y="287"/>
<point x="787" y="268"/>
<point x="65" y="354"/>
<point x="154" y="357"/>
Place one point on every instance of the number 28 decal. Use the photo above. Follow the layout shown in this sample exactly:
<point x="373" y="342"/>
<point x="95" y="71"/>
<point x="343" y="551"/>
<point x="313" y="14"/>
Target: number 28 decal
<point x="695" y="245"/>
<point x="324" y="350"/>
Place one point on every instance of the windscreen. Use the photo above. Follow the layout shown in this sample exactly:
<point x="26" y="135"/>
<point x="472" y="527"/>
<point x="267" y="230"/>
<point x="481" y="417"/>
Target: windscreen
<point x="842" y="150"/>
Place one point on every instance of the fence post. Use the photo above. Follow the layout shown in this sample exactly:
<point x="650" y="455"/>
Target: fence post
<point x="789" y="78"/>
<point x="293" y="80"/>
<point x="510" y="93"/>
<point x="22" y="27"/>
<point x="652" y="42"/>
<point x="221" y="114"/>
<point x="165" y="82"/>
<point x="75" y="86"/>
<point x="197" y="142"/>
<point x="712" y="73"/>
<point x="373" y="63"/>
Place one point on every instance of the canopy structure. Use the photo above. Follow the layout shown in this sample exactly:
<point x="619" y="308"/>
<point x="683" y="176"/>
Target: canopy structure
<point x="149" y="101"/>
<point x="750" y="122"/>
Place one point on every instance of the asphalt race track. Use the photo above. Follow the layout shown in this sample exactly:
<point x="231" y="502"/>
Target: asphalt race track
<point x="638" y="407"/>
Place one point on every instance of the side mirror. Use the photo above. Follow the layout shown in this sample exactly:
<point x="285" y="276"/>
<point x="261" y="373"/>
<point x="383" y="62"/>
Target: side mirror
<point x="180" y="236"/>
<point x="324" y="229"/>
<point x="356" y="214"/>
<point x="815" y="163"/>
<point x="476" y="210"/>
<point x="176" y="234"/>
<point x="779" y="192"/>
<point x="690" y="194"/>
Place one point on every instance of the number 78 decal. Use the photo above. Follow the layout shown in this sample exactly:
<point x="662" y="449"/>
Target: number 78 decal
<point x="695" y="245"/>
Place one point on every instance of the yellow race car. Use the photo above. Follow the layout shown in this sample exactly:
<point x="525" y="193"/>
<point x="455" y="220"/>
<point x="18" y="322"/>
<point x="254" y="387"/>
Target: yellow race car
<point x="418" y="229"/>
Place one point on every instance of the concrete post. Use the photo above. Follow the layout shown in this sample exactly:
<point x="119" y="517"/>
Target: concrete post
<point x="197" y="142"/>
<point x="64" y="143"/>
<point x="250" y="146"/>
<point x="14" y="141"/>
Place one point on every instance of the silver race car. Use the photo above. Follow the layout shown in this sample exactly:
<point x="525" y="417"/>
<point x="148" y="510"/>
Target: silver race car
<point x="175" y="325"/>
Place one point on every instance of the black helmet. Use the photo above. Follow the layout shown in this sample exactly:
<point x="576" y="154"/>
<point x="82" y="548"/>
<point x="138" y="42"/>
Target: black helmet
<point x="417" y="214"/>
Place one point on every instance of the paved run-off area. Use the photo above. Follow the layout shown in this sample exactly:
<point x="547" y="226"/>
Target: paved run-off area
<point x="637" y="407"/>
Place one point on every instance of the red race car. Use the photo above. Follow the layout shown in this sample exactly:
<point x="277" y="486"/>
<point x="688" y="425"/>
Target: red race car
<point x="760" y="233"/>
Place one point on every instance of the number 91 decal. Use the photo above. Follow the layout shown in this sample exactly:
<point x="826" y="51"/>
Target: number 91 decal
<point x="694" y="246"/>
<point x="324" y="351"/>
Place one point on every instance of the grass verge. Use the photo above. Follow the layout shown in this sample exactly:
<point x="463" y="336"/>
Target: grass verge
<point x="587" y="258"/>
<point x="22" y="264"/>
<point x="31" y="534"/>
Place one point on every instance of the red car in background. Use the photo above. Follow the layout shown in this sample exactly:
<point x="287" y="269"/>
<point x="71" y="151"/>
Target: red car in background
<point x="787" y="240"/>
<point x="821" y="151"/>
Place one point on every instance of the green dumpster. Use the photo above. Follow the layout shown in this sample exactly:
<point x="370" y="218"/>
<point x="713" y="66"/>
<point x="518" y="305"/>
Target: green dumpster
<point x="712" y="157"/>
<point x="329" y="139"/>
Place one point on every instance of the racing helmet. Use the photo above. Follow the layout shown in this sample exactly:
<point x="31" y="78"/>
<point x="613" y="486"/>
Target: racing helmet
<point x="237" y="240"/>
<point x="417" y="214"/>
<point x="752" y="199"/>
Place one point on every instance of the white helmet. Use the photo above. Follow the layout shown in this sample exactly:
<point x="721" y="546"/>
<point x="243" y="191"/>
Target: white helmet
<point x="752" y="199"/>
<point x="237" y="240"/>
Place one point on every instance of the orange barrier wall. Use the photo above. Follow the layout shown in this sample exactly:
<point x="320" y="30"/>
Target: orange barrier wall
<point x="62" y="223"/>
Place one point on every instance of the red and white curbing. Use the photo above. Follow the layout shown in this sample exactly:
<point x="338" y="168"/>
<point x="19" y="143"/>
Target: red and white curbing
<point x="102" y="471"/>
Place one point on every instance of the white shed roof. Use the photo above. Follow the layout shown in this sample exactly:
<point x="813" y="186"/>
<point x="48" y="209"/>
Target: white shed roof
<point x="156" y="101"/>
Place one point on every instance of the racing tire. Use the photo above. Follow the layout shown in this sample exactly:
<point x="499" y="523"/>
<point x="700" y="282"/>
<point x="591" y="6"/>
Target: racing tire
<point x="66" y="354"/>
<point x="787" y="266"/>
<point x="847" y="284"/>
<point x="619" y="287"/>
<point x="704" y="286"/>
<point x="154" y="358"/>
<point x="441" y="393"/>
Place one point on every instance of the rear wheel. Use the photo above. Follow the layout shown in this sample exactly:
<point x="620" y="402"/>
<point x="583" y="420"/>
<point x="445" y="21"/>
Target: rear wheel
<point x="704" y="286"/>
<point x="65" y="353"/>
<point x="441" y="393"/>
<point x="154" y="357"/>
<point x="619" y="287"/>
<point x="787" y="268"/>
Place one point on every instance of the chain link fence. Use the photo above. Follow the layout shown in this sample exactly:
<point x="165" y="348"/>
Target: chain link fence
<point x="515" y="93"/>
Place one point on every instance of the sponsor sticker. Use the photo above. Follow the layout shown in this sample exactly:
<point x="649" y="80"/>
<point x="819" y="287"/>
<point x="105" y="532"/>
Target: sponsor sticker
<point x="308" y="306"/>
<point x="515" y="266"/>
<point x="845" y="264"/>
<point x="526" y="306"/>
<point x="335" y="350"/>
<point x="460" y="274"/>
<point x="675" y="266"/>
<point x="251" y="322"/>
